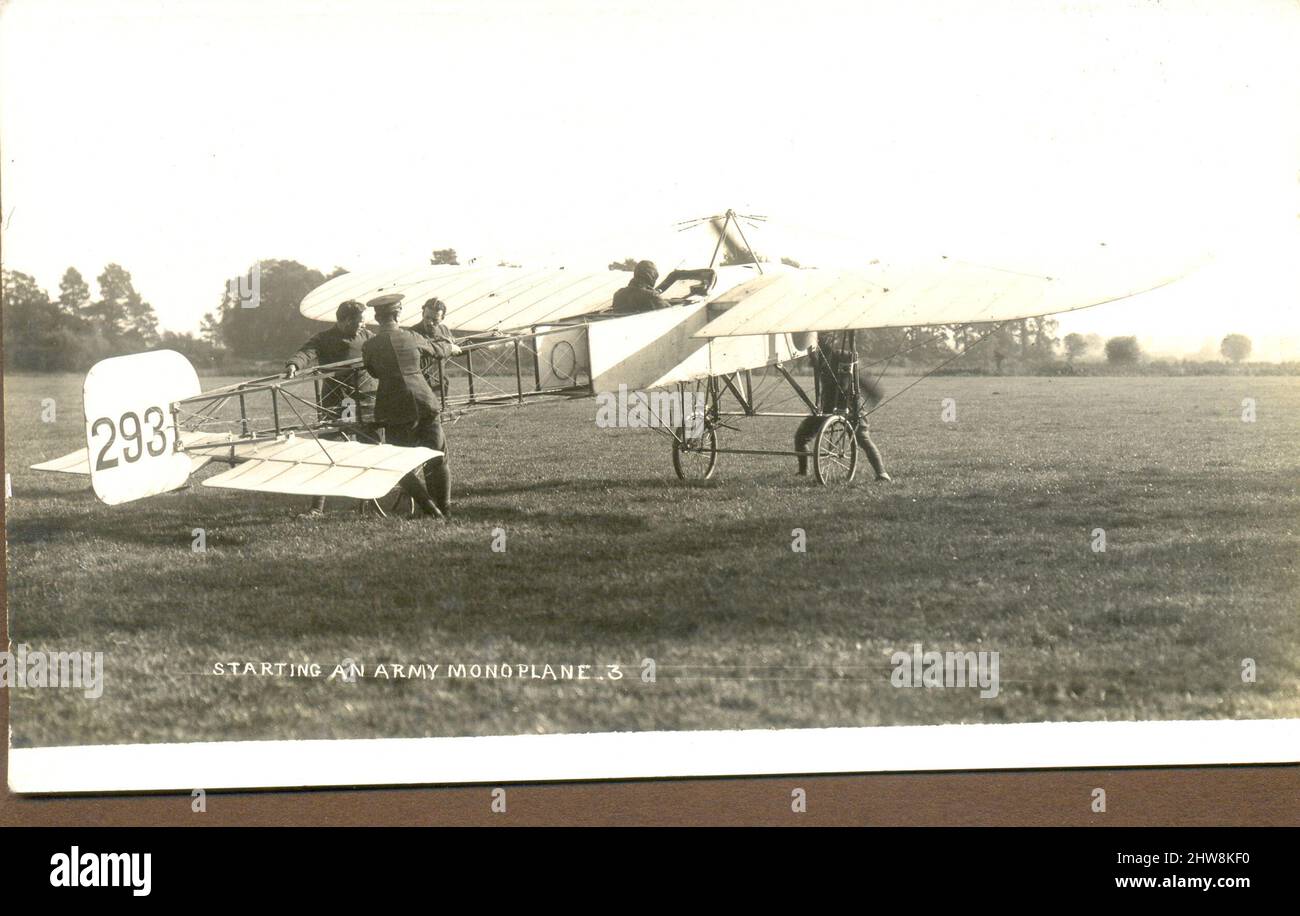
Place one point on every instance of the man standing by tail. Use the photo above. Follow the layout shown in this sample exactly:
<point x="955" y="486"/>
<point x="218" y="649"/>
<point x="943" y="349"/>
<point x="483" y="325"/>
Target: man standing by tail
<point x="406" y="405"/>
<point x="347" y="395"/>
<point x="835" y="371"/>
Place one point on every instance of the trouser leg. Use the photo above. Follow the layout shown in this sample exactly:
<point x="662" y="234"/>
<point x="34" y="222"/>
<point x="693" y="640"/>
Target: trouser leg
<point x="873" y="453"/>
<point x="414" y="487"/>
<point x="411" y="484"/>
<point x="802" y="437"/>
<point x="437" y="472"/>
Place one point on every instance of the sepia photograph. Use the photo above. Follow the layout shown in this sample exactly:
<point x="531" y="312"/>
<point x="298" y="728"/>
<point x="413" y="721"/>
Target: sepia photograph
<point x="404" y="393"/>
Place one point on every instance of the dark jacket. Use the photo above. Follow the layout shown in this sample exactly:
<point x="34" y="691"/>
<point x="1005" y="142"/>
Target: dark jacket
<point x="393" y="356"/>
<point x="432" y="368"/>
<point x="330" y="346"/>
<point x="640" y="294"/>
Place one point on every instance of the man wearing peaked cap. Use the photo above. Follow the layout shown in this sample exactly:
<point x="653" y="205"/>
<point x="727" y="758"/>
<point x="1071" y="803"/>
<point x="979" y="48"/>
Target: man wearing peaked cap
<point x="406" y="405"/>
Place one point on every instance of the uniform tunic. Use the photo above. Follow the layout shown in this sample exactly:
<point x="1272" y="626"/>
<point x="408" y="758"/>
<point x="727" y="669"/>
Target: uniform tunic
<point x="393" y="356"/>
<point x="407" y="407"/>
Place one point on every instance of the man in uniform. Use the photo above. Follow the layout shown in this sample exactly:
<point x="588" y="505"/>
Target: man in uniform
<point x="406" y="405"/>
<point x="834" y="369"/>
<point x="433" y="327"/>
<point x="347" y="395"/>
<point x="640" y="294"/>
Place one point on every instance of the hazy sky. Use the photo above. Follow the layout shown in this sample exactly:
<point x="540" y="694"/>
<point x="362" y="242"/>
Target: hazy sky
<point x="185" y="140"/>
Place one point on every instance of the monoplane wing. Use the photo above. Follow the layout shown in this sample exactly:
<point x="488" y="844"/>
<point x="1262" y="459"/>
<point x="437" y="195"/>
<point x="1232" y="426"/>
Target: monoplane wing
<point x="315" y="467"/>
<point x="934" y="292"/>
<point x="479" y="299"/>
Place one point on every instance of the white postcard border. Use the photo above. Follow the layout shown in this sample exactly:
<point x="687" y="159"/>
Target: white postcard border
<point x="638" y="755"/>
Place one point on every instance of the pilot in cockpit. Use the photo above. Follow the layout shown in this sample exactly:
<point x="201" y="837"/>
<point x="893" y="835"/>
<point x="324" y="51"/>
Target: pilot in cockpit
<point x="640" y="294"/>
<point x="680" y="286"/>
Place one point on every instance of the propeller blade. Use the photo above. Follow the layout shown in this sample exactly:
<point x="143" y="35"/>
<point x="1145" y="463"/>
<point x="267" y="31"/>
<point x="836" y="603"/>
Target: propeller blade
<point x="737" y="253"/>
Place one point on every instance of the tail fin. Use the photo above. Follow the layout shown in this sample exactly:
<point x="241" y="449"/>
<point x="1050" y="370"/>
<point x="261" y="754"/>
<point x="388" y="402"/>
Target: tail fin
<point x="131" y="434"/>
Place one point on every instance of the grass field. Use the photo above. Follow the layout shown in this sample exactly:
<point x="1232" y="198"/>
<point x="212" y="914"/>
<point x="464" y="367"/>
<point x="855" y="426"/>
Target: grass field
<point x="984" y="542"/>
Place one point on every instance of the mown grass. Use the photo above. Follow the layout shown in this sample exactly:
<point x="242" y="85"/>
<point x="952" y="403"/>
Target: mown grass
<point x="982" y="542"/>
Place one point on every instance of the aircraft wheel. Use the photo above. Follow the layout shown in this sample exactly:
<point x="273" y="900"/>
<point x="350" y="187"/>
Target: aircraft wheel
<point x="835" y="452"/>
<point x="695" y="457"/>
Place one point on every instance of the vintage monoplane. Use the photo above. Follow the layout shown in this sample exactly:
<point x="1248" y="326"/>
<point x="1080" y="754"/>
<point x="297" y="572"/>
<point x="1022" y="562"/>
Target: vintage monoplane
<point x="532" y="335"/>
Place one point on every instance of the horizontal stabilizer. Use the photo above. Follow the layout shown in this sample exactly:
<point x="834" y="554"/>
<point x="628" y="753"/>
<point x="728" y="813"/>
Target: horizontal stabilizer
<point x="78" y="463"/>
<point x="315" y="467"/>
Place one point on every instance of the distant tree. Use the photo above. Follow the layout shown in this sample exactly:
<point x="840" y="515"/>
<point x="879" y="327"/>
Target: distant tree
<point x="210" y="329"/>
<point x="506" y="264"/>
<point x="275" y="328"/>
<point x="1235" y="347"/>
<point x="196" y="349"/>
<point x="1123" y="351"/>
<point x="927" y="345"/>
<point x="120" y="314"/>
<point x="1095" y="343"/>
<point x="963" y="335"/>
<point x="1044" y="343"/>
<point x="74" y="297"/>
<point x="625" y="264"/>
<point x="791" y="262"/>
<point x="443" y="256"/>
<point x="1075" y="346"/>
<point x="336" y="272"/>
<point x="35" y="335"/>
<point x="28" y="316"/>
<point x="1001" y="342"/>
<point x="881" y="344"/>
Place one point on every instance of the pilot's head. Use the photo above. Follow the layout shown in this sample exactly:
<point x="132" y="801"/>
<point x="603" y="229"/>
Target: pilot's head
<point x="646" y="273"/>
<point x="435" y="310"/>
<point x="347" y="318"/>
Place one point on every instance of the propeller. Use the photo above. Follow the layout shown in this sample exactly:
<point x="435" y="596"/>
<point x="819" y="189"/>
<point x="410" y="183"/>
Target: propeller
<point x="722" y="224"/>
<point x="737" y="253"/>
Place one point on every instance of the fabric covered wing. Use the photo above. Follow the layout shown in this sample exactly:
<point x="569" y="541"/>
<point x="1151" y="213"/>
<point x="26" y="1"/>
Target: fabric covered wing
<point x="314" y="467"/>
<point x="940" y="291"/>
<point x="479" y="299"/>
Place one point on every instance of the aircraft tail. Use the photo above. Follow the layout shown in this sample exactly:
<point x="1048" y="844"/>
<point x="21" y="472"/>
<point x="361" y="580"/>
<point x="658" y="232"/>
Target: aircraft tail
<point x="132" y="436"/>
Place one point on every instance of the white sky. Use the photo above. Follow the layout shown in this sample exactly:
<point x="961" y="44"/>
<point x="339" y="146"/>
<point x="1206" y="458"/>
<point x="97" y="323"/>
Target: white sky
<point x="185" y="140"/>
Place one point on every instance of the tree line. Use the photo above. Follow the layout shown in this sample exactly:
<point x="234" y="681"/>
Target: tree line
<point x="72" y="331"/>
